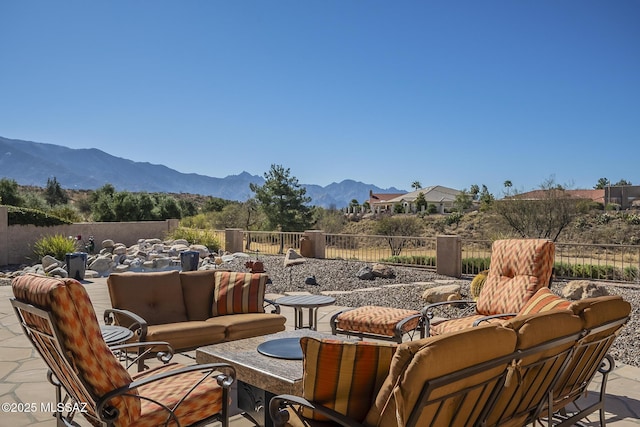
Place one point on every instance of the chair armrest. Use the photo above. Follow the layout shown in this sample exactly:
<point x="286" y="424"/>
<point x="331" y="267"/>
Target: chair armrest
<point x="108" y="414"/>
<point x="428" y="310"/>
<point x="280" y="416"/>
<point x="144" y="350"/>
<point x="493" y="316"/>
<point x="138" y="324"/>
<point x="272" y="303"/>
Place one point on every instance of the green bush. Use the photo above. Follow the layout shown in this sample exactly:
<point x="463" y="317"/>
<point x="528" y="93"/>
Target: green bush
<point x="411" y="260"/>
<point x="196" y="237"/>
<point x="24" y="216"/>
<point x="475" y="265"/>
<point x="56" y="246"/>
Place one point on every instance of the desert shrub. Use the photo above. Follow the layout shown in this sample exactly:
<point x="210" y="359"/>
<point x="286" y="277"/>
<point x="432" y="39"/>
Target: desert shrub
<point x="453" y="218"/>
<point x="633" y="219"/>
<point x="411" y="260"/>
<point x="196" y="237"/>
<point x="56" y="246"/>
<point x="431" y="208"/>
<point x="604" y="218"/>
<point x="630" y="273"/>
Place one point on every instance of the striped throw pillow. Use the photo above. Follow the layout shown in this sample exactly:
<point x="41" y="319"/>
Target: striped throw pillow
<point x="544" y="300"/>
<point x="236" y="293"/>
<point x="344" y="376"/>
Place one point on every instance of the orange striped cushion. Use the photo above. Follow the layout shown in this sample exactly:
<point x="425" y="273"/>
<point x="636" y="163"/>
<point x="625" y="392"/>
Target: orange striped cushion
<point x="344" y="376"/>
<point x="544" y="300"/>
<point x="377" y="320"/>
<point x="236" y="293"/>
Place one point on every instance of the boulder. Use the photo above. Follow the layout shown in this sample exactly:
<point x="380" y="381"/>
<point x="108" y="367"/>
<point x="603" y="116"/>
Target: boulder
<point x="58" y="272"/>
<point x="102" y="264"/>
<point x="293" y="258"/>
<point x="365" y="273"/>
<point x="108" y="243"/>
<point x="581" y="289"/>
<point x="48" y="261"/>
<point x="383" y="271"/>
<point x="441" y="293"/>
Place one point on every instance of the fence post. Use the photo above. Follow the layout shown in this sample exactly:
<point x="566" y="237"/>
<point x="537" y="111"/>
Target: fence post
<point x="4" y="235"/>
<point x="318" y="243"/>
<point x="449" y="256"/>
<point x="233" y="240"/>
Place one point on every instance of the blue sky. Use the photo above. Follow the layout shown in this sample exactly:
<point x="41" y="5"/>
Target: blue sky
<point x="449" y="93"/>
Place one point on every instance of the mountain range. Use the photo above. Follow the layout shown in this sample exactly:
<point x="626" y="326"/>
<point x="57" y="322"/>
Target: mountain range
<point x="32" y="163"/>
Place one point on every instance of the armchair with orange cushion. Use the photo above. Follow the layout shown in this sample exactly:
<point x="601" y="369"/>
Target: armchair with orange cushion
<point x="518" y="268"/>
<point x="57" y="317"/>
<point x="454" y="379"/>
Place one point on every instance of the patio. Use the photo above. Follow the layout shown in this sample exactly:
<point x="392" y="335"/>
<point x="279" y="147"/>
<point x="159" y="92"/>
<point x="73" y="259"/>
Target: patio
<point x="23" y="374"/>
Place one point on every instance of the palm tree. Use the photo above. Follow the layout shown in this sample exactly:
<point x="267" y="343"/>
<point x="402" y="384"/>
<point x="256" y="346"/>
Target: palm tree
<point x="416" y="185"/>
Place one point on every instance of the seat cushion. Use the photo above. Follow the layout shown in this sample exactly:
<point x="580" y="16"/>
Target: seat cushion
<point x="185" y="335"/>
<point x="519" y="267"/>
<point x="156" y="297"/>
<point x="377" y="320"/>
<point x="458" y="324"/>
<point x="239" y="326"/>
<point x="204" y="401"/>
<point x="238" y="293"/>
<point x="344" y="376"/>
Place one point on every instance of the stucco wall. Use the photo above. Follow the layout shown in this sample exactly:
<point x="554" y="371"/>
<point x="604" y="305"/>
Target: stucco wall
<point x="16" y="241"/>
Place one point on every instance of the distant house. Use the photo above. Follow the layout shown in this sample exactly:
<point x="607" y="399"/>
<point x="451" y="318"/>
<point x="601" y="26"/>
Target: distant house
<point x="379" y="199"/>
<point x="441" y="197"/>
<point x="595" y="195"/>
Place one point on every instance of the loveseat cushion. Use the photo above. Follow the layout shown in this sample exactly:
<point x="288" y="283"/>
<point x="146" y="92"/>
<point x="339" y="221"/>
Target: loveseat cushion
<point x="187" y="334"/>
<point x="344" y="376"/>
<point x="418" y="361"/>
<point x="156" y="297"/>
<point x="197" y="288"/>
<point x="544" y="300"/>
<point x="246" y="325"/>
<point x="238" y="293"/>
<point x="519" y="267"/>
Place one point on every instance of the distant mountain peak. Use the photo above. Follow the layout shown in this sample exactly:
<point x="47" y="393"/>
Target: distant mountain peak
<point x="32" y="163"/>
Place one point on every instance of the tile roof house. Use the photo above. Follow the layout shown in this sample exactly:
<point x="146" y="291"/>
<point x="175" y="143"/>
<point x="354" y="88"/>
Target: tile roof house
<point x="442" y="197"/>
<point x="595" y="195"/>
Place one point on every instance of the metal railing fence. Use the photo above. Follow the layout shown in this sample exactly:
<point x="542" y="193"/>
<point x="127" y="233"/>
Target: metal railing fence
<point x="615" y="263"/>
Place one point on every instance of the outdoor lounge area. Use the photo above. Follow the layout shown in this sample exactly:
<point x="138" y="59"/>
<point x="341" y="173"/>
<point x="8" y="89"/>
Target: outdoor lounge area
<point x="26" y="389"/>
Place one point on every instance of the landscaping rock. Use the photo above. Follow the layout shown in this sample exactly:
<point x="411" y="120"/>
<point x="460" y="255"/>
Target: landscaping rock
<point x="383" y="271"/>
<point x="581" y="289"/>
<point x="365" y="273"/>
<point x="442" y="293"/>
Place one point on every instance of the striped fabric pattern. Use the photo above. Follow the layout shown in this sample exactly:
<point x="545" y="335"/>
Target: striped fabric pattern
<point x="344" y="376"/>
<point x="376" y="320"/>
<point x="544" y="300"/>
<point x="236" y="293"/>
<point x="519" y="267"/>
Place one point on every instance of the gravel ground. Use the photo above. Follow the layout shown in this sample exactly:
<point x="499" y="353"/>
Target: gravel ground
<point x="339" y="275"/>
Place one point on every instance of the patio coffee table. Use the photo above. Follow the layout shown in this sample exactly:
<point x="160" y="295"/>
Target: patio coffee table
<point x="260" y="377"/>
<point x="311" y="302"/>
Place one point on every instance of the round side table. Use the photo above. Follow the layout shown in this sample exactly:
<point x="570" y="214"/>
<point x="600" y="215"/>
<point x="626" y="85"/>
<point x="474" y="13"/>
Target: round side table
<point x="114" y="334"/>
<point x="310" y="302"/>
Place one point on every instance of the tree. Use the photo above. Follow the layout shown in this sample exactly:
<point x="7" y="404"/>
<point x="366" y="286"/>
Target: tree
<point x="283" y="201"/>
<point x="486" y="199"/>
<point x="539" y="218"/>
<point x="474" y="190"/>
<point x="9" y="194"/>
<point x="623" y="182"/>
<point x="602" y="183"/>
<point x="54" y="194"/>
<point x="397" y="229"/>
<point x="420" y="201"/>
<point x="416" y="185"/>
<point x="463" y="201"/>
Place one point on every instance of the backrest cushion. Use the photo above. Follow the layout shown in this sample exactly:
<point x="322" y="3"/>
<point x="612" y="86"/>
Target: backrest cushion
<point x="156" y="297"/>
<point x="519" y="267"/>
<point x="197" y="288"/>
<point x="75" y="319"/>
<point x="544" y="300"/>
<point x="238" y="293"/>
<point x="597" y="311"/>
<point x="416" y="362"/>
<point x="344" y="376"/>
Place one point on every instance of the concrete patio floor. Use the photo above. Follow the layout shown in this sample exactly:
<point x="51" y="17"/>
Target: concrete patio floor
<point x="23" y="373"/>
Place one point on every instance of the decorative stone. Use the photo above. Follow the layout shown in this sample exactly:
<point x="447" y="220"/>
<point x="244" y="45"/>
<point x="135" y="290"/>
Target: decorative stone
<point x="293" y="258"/>
<point x="442" y="293"/>
<point x="108" y="243"/>
<point x="581" y="289"/>
<point x="383" y="271"/>
<point x="102" y="264"/>
<point x="202" y="250"/>
<point x="58" y="272"/>
<point x="365" y="273"/>
<point x="48" y="261"/>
